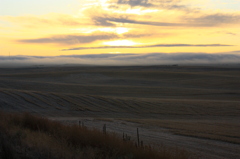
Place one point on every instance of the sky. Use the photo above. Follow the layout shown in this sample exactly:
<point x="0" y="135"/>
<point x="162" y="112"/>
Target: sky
<point x="125" y="28"/>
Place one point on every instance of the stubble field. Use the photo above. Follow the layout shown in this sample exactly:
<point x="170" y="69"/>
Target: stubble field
<point x="195" y="108"/>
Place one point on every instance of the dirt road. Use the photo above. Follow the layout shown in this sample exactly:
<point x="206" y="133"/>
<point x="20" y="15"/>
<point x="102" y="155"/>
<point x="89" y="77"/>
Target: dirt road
<point x="156" y="136"/>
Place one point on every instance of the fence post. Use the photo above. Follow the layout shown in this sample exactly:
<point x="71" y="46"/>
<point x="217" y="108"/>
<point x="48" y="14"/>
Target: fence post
<point x="104" y="129"/>
<point x="138" y="137"/>
<point x="142" y="144"/>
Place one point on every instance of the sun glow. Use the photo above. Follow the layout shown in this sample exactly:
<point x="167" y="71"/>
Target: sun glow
<point x="117" y="30"/>
<point x="120" y="43"/>
<point x="117" y="52"/>
<point x="133" y="25"/>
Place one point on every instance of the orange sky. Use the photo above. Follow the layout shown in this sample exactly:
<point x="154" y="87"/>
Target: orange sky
<point x="118" y="26"/>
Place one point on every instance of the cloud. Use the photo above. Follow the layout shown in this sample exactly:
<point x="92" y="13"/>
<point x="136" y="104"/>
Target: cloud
<point x="210" y="20"/>
<point x="216" y="19"/>
<point x="226" y="32"/>
<point x="101" y="21"/>
<point x="6" y="58"/>
<point x="124" y="59"/>
<point x="148" y="46"/>
<point x="135" y="34"/>
<point x="155" y="17"/>
<point x="144" y="3"/>
<point x="72" y="39"/>
<point x="159" y="4"/>
<point x="119" y="16"/>
<point x="81" y="39"/>
<point x="110" y="21"/>
<point x="97" y="56"/>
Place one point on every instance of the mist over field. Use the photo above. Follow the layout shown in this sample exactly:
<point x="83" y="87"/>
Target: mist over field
<point x="124" y="59"/>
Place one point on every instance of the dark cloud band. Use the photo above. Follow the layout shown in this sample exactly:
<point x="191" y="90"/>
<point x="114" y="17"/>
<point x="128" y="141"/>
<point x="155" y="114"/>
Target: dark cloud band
<point x="148" y="46"/>
<point x="71" y="39"/>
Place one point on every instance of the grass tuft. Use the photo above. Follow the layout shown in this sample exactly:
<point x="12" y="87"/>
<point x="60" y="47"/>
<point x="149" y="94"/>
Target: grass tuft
<point x="29" y="136"/>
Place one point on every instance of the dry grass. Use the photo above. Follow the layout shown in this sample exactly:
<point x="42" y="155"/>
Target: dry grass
<point x="28" y="136"/>
<point x="103" y="119"/>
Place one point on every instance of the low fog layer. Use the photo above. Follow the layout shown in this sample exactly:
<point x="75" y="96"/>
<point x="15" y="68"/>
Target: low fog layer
<point x="123" y="59"/>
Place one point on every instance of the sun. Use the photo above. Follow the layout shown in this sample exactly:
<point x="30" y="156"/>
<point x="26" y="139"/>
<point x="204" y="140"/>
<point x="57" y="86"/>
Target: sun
<point x="120" y="43"/>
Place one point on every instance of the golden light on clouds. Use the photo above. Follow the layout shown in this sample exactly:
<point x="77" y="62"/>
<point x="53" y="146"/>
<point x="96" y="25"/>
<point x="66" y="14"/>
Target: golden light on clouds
<point x="120" y="43"/>
<point x="117" y="30"/>
<point x="148" y="26"/>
